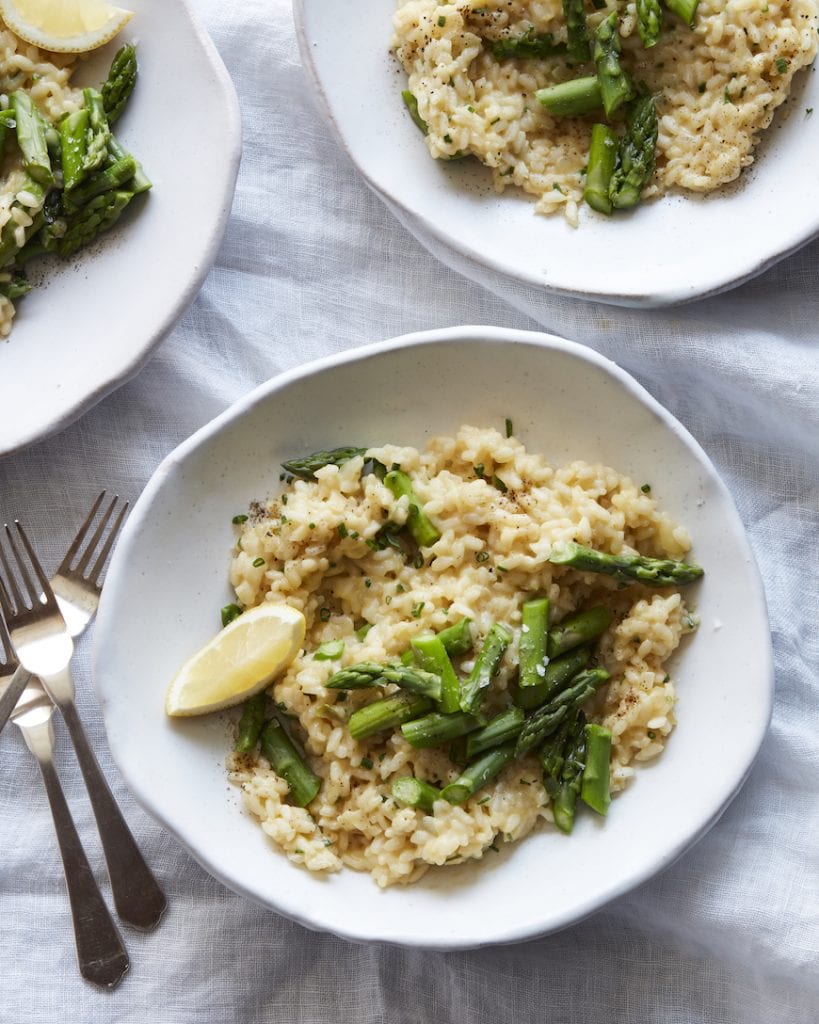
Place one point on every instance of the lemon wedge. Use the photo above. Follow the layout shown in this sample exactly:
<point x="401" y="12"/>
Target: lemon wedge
<point x="64" y="26"/>
<point x="238" y="662"/>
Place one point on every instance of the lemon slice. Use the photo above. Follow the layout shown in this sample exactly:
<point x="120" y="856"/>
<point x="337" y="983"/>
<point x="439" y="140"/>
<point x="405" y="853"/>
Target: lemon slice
<point x="64" y="26"/>
<point x="238" y="662"/>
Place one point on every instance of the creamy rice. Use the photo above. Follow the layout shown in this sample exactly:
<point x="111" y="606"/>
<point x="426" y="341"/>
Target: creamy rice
<point x="491" y="556"/>
<point x="46" y="77"/>
<point x="718" y="85"/>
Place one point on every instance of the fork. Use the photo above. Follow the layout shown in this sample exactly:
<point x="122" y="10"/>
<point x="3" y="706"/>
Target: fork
<point x="44" y="647"/>
<point x="101" y="956"/>
<point x="13" y="677"/>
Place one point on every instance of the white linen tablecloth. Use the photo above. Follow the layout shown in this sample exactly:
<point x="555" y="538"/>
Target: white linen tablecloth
<point x="311" y="264"/>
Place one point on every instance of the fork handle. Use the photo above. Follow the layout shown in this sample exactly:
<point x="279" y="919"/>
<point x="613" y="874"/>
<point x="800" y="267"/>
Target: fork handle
<point x="100" y="952"/>
<point x="137" y="896"/>
<point x="12" y="693"/>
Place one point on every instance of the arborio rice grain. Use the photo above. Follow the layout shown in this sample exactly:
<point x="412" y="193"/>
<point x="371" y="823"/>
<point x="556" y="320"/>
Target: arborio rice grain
<point x="492" y="555"/>
<point x="718" y="85"/>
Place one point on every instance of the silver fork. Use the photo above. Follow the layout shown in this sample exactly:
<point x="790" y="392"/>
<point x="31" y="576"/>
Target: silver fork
<point x="13" y="677"/>
<point x="101" y="956"/>
<point x="44" y="647"/>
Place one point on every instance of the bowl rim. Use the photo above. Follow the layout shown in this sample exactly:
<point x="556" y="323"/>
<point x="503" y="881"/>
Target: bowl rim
<point x="358" y="930"/>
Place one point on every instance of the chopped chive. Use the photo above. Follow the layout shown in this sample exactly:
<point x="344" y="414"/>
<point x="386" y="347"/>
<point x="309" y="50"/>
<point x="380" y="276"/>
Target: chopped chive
<point x="479" y="470"/>
<point x="781" y="65"/>
<point x="368" y="582"/>
<point x="229" y="613"/>
<point x="324" y="614"/>
<point x="482" y="556"/>
<point x="362" y="631"/>
<point x="441" y="21"/>
<point x="509" y="428"/>
<point x="418" y="561"/>
<point x="417" y="609"/>
<point x="342" y="530"/>
<point x="399" y="588"/>
<point x="238" y="520"/>
<point x="257" y="562"/>
<point x="646" y="488"/>
<point x="284" y="499"/>
<point x="366" y="762"/>
<point x="499" y="484"/>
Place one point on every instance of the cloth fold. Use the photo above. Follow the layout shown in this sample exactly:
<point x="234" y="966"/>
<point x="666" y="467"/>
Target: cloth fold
<point x="313" y="263"/>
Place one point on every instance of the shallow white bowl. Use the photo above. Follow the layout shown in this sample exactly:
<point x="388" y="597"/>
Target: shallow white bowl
<point x="95" y="319"/>
<point x="672" y="250"/>
<point x="168" y="581"/>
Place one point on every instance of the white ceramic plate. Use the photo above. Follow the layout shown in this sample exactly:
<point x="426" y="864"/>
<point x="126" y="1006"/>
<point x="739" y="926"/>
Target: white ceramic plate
<point x="673" y="250"/>
<point x="168" y="580"/>
<point x="94" y="320"/>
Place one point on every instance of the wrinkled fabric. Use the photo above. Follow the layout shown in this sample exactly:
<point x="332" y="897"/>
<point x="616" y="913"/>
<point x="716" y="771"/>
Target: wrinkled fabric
<point x="312" y="263"/>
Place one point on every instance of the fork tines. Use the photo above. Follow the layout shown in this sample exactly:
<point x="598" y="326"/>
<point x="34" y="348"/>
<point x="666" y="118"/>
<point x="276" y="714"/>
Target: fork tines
<point x="12" y="601"/>
<point x="8" y="659"/>
<point x="105" y="519"/>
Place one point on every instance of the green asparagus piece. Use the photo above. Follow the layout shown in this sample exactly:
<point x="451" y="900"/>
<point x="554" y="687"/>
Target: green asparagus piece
<point x="547" y="718"/>
<point x="287" y="762"/>
<point x="411" y="103"/>
<point x="486" y="666"/>
<point x="411" y="792"/>
<point x="9" y="247"/>
<point x="532" y="643"/>
<point x="595" y="790"/>
<point x="563" y="780"/>
<point x="109" y="178"/>
<point x="637" y="156"/>
<point x="431" y="655"/>
<point x="615" y="85"/>
<point x="602" y="160"/>
<point x="251" y="723"/>
<point x="16" y="287"/>
<point x="457" y="639"/>
<point x="31" y="138"/>
<point x="140" y="182"/>
<point x="477" y="774"/>
<point x="503" y="727"/>
<point x="649" y="21"/>
<point x="423" y="531"/>
<point x="229" y="613"/>
<point x="685" y="9"/>
<point x="577" y="629"/>
<point x="369" y="673"/>
<point x="577" y="30"/>
<point x="652" y="572"/>
<point x="436" y="728"/>
<point x="119" y="84"/>
<point x="306" y="468"/>
<point x="559" y="672"/>
<point x="574" y="98"/>
<point x="92" y="220"/>
<point x="73" y="146"/>
<point x="98" y="133"/>
<point x="6" y="122"/>
<point x="530" y="44"/>
<point x="388" y="713"/>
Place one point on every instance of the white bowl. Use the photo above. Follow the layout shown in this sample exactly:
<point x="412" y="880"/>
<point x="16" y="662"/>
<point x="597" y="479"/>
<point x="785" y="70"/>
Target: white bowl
<point x="652" y="257"/>
<point x="168" y="581"/>
<point x="95" y="319"/>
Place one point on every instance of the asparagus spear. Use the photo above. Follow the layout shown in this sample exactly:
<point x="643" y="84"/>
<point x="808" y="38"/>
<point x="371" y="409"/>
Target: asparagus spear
<point x="615" y="86"/>
<point x="477" y="774"/>
<point x="9" y="245"/>
<point x="31" y="138"/>
<point x="15" y="287"/>
<point x="105" y="180"/>
<point x="422" y="529"/>
<point x="306" y="467"/>
<point x="577" y="629"/>
<point x="563" y="759"/>
<point x="577" y="31"/>
<point x="637" y="155"/>
<point x="503" y="727"/>
<point x="532" y="644"/>
<point x="118" y="86"/>
<point x="685" y="9"/>
<point x="436" y="728"/>
<point x="431" y="654"/>
<point x="98" y="133"/>
<point x="411" y="103"/>
<point x="413" y="792"/>
<point x="457" y="639"/>
<point x="649" y="21"/>
<point x="92" y="220"/>
<point x="251" y="723"/>
<point x="602" y="160"/>
<point x="287" y="762"/>
<point x="388" y="713"/>
<point x="73" y="146"/>
<point x="530" y="44"/>
<point x="140" y="181"/>
<point x="559" y="672"/>
<point x="574" y="98"/>
<point x="595" y="790"/>
<point x="652" y="572"/>
<point x="486" y="666"/>
<point x="369" y="673"/>
<point x="546" y="719"/>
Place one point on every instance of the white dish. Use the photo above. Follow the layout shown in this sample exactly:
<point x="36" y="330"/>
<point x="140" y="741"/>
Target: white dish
<point x="95" y="319"/>
<point x="652" y="257"/>
<point x="168" y="580"/>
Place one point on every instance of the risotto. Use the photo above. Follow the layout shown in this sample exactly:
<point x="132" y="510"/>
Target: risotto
<point x="330" y="546"/>
<point x="716" y="87"/>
